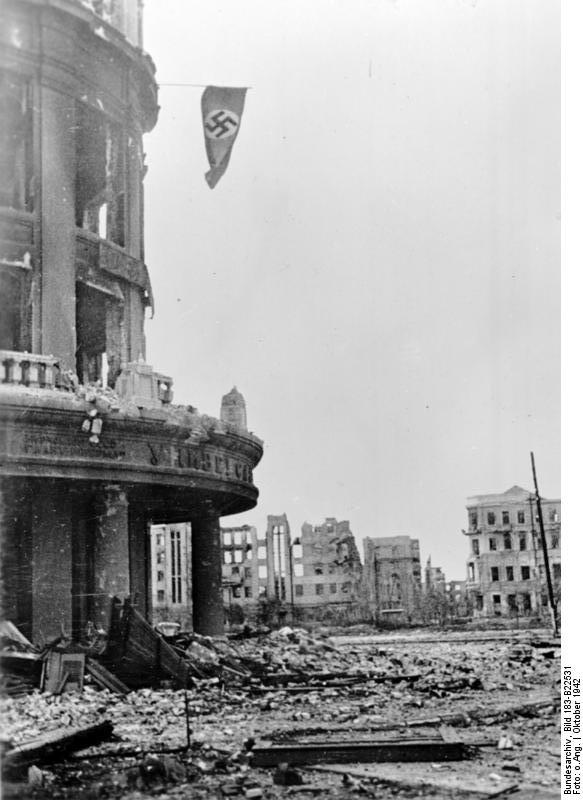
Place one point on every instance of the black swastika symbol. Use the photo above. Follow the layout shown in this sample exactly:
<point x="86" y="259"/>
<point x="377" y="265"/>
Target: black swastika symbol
<point x="220" y="124"/>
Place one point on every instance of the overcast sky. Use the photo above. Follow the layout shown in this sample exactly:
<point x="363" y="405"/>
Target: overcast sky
<point x="379" y="269"/>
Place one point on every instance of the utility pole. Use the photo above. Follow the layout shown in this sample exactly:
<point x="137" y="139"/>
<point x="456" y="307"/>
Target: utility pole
<point x="545" y="551"/>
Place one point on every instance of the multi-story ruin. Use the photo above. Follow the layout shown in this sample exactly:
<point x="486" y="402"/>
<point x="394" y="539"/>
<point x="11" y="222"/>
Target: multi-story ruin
<point x="392" y="579"/>
<point x="92" y="451"/>
<point x="506" y="572"/>
<point x="327" y="574"/>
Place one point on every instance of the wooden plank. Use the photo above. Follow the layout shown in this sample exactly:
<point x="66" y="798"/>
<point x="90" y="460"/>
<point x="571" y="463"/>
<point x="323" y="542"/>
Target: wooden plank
<point x="105" y="678"/>
<point x="424" y="780"/>
<point x="55" y="746"/>
<point x="359" y="752"/>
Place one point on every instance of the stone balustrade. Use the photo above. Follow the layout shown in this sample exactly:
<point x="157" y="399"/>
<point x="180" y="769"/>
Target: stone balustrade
<point x="29" y="369"/>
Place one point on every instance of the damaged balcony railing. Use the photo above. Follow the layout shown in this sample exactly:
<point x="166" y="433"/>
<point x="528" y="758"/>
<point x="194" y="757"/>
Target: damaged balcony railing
<point x="29" y="369"/>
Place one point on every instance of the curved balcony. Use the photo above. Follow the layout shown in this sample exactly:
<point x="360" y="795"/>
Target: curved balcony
<point x="52" y="427"/>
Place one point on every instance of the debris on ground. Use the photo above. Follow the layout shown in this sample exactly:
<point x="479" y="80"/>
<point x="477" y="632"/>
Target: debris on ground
<point x="223" y="722"/>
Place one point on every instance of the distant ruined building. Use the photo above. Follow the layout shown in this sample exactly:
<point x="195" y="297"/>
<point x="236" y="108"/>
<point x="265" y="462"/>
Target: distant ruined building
<point x="506" y="573"/>
<point x="92" y="450"/>
<point x="392" y="579"/>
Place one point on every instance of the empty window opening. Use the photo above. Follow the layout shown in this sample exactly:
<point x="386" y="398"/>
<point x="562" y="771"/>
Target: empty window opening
<point x="491" y="518"/>
<point x="98" y="320"/>
<point x="475" y="547"/>
<point x="11" y="309"/>
<point x="506" y="518"/>
<point x="520" y="517"/>
<point x="525" y="573"/>
<point x="507" y="541"/>
<point x="176" y="566"/>
<point x="509" y="573"/>
<point x="100" y="199"/>
<point x="15" y="143"/>
<point x="522" y="542"/>
<point x="493" y="544"/>
<point x="495" y="574"/>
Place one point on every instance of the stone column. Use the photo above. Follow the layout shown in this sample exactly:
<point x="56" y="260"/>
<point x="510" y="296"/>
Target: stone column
<point x="139" y="548"/>
<point x="207" y="592"/>
<point x="52" y="573"/>
<point x="58" y="226"/>
<point x="111" y="553"/>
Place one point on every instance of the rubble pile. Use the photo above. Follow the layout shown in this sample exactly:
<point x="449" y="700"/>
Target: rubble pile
<point x="294" y="693"/>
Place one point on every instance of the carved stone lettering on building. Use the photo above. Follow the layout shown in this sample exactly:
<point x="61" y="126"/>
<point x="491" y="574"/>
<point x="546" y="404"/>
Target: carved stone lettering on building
<point x="39" y="444"/>
<point x="142" y="453"/>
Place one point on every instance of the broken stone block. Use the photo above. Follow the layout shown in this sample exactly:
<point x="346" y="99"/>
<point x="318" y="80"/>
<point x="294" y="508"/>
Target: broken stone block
<point x="285" y="775"/>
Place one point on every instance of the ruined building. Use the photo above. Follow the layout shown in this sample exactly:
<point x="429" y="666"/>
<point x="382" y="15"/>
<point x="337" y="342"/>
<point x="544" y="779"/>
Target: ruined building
<point x="327" y="573"/>
<point x="434" y="578"/>
<point x="506" y="573"/>
<point x="171" y="574"/>
<point x="92" y="451"/>
<point x="392" y="579"/>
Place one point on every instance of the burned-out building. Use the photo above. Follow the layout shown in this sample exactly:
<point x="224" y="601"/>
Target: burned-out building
<point x="392" y="578"/>
<point x="327" y="573"/>
<point x="434" y="579"/>
<point x="92" y="451"/>
<point x="171" y="574"/>
<point x="506" y="572"/>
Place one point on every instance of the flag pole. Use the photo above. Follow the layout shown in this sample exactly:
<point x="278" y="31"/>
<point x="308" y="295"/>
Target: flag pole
<point x="545" y="551"/>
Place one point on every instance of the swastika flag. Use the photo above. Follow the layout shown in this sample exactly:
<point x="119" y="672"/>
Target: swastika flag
<point x="222" y="109"/>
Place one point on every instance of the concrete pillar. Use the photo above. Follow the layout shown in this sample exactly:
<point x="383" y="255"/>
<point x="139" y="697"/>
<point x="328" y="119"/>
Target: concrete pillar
<point x="52" y="573"/>
<point x="207" y="593"/>
<point x="139" y="548"/>
<point x="111" y="553"/>
<point x="58" y="226"/>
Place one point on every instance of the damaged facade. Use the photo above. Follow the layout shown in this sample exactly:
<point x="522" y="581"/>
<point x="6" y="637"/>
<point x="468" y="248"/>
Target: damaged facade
<point x="92" y="451"/>
<point x="506" y="573"/>
<point x="327" y="573"/>
<point x="392" y="578"/>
